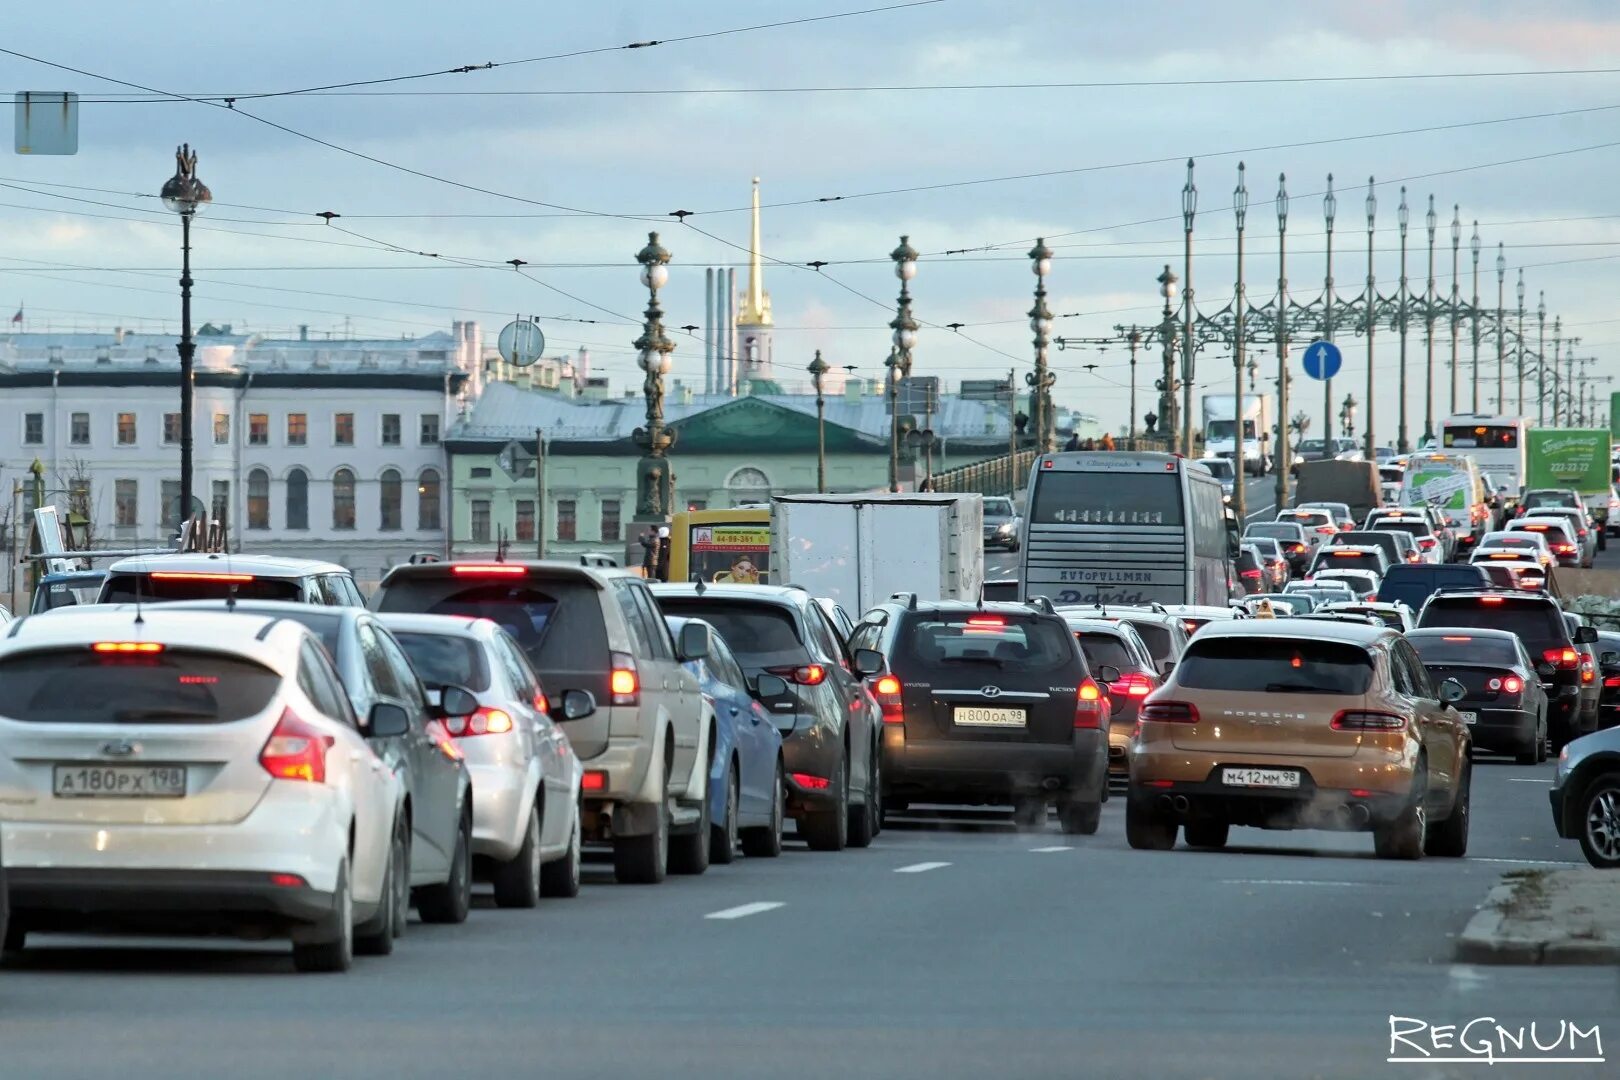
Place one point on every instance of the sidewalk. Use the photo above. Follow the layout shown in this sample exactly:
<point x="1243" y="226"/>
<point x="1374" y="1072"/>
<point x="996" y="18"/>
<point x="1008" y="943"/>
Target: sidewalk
<point x="1547" y="917"/>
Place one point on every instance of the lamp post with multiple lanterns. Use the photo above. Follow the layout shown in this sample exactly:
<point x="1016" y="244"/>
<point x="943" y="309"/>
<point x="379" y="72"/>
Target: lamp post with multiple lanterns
<point x="1041" y="380"/>
<point x="905" y="338"/>
<point x="185" y="194"/>
<point x="656" y="482"/>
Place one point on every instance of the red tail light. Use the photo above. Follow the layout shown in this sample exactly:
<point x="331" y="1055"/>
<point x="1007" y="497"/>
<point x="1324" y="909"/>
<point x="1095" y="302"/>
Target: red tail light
<point x="987" y="620"/>
<point x="143" y="647"/>
<point x="1169" y="712"/>
<point x="1427" y="543"/>
<point x="1564" y="658"/>
<point x="1611" y="682"/>
<point x="1588" y="674"/>
<point x="814" y="783"/>
<point x="1090" y="705"/>
<point x="1134" y="684"/>
<point x="804" y="674"/>
<point x="887" y="692"/>
<point x="1510" y="684"/>
<point x="540" y="702"/>
<point x="1298" y="549"/>
<point x="1357" y="720"/>
<point x="1249" y="575"/>
<point x="287" y="881"/>
<point x="1564" y="549"/>
<point x="482" y="722"/>
<point x="623" y="681"/>
<point x="593" y="780"/>
<point x="1328" y="530"/>
<point x="176" y="575"/>
<point x="296" y="750"/>
<point x="488" y="570"/>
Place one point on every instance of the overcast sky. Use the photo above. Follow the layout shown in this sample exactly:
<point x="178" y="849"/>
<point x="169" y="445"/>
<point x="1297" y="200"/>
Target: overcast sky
<point x="618" y="156"/>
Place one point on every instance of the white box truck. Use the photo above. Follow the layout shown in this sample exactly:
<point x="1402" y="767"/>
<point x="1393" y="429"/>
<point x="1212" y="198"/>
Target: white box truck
<point x="1221" y="423"/>
<point x="861" y="549"/>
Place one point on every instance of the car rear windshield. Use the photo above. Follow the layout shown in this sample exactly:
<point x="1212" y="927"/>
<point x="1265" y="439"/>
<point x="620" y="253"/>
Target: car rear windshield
<point x="1275" y="666"/>
<point x="446" y="660"/>
<point x="175" y="686"/>
<point x="1464" y="649"/>
<point x="1556" y="532"/>
<point x="1100" y="648"/>
<point x="1277" y="530"/>
<point x="1107" y="498"/>
<point x="994" y="642"/>
<point x="127" y="588"/>
<point x="1536" y="499"/>
<point x="557" y="621"/>
<point x="1308" y="518"/>
<point x="1532" y="620"/>
<point x="1340" y="559"/>
<point x="1409" y="526"/>
<point x="1155" y="637"/>
<point x="760" y="635"/>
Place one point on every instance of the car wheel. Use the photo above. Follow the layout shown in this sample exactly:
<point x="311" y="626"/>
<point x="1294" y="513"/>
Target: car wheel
<point x="1206" y="833"/>
<point x="1403" y="836"/>
<point x="643" y="860"/>
<point x="765" y="841"/>
<point x="1147" y="830"/>
<point x="828" y="830"/>
<point x="863" y="819"/>
<point x="376" y="938"/>
<point x="1449" y="840"/>
<point x="723" y="834"/>
<point x="560" y="877"/>
<point x="1080" y="818"/>
<point x="1600" y="822"/>
<point x="16" y="939"/>
<point x="689" y="851"/>
<point x="1029" y="813"/>
<point x="450" y="900"/>
<point x="1542" y="748"/>
<point x="517" y="882"/>
<point x="1531" y="755"/>
<point x="332" y="947"/>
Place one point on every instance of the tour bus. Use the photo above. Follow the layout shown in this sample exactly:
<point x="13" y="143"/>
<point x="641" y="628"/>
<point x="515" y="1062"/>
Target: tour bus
<point x="721" y="546"/>
<point x="1115" y="527"/>
<point x="1496" y="443"/>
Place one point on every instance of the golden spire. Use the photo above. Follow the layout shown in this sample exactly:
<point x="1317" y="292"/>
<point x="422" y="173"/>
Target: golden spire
<point x="756" y="309"/>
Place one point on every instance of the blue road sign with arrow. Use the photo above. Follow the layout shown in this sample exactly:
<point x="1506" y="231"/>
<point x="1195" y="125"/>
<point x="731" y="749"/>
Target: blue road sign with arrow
<point x="1323" y="360"/>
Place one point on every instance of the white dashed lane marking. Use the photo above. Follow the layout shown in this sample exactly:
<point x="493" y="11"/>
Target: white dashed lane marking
<point x="920" y="868"/>
<point x="742" y="911"/>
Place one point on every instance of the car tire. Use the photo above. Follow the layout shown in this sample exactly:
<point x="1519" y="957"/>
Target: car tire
<point x="1146" y="830"/>
<point x="1543" y="747"/>
<point x="1599" y="818"/>
<point x="689" y="851"/>
<point x="863" y="819"/>
<point x="376" y="938"/>
<point x="1532" y="754"/>
<point x="1080" y="818"/>
<point x="828" y="830"/>
<point x="450" y="900"/>
<point x="517" y="881"/>
<point x="723" y="834"/>
<point x="644" y="860"/>
<point x="560" y="877"/>
<point x="1029" y="813"/>
<point x="1403" y="836"/>
<point x="765" y="841"/>
<point x="1449" y="840"/>
<point x="1206" y="833"/>
<point x="333" y="946"/>
<point x="16" y="939"/>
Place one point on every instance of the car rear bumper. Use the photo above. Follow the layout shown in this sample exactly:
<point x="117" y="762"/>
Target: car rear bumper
<point x="1501" y="729"/>
<point x="978" y="769"/>
<point x="1312" y="805"/>
<point x="155" y="901"/>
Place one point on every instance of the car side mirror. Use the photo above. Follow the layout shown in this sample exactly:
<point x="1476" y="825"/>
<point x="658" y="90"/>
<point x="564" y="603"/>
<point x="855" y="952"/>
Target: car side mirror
<point x="1452" y="691"/>
<point x="457" y="701"/>
<point x="868" y="662"/>
<point x="387" y="721"/>
<point x="769" y="688"/>
<point x="771" y="692"/>
<point x="1586" y="635"/>
<point x="694" y="642"/>
<point x="578" y="704"/>
<point x="1107" y="673"/>
<point x="1546" y="670"/>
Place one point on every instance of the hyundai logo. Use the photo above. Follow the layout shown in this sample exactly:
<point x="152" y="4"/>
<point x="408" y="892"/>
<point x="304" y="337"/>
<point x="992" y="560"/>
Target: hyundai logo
<point x="990" y="691"/>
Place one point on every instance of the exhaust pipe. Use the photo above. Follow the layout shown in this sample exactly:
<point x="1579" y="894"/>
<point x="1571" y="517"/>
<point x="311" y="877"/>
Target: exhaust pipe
<point x="1165" y="803"/>
<point x="1359" y="814"/>
<point x="1180" y="804"/>
<point x="1051" y="783"/>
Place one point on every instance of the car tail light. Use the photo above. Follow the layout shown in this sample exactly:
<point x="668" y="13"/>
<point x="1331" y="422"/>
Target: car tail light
<point x="1508" y="684"/>
<point x="814" y="783"/>
<point x="1359" y="720"/>
<point x="1297" y="548"/>
<point x="1588" y="673"/>
<point x="296" y="750"/>
<point x="287" y="881"/>
<point x="176" y="575"/>
<point x="1427" y="543"/>
<point x="1611" y="682"/>
<point x="623" y="682"/>
<point x="887" y="692"/>
<point x="1490" y="599"/>
<point x="803" y="674"/>
<point x="987" y="620"/>
<point x="127" y="647"/>
<point x="1249" y="575"/>
<point x="1090" y="705"/>
<point x="1581" y="533"/>
<point x="593" y="780"/>
<point x="1564" y="549"/>
<point x="1133" y="684"/>
<point x="1564" y="658"/>
<point x="1328" y="530"/>
<point x="540" y="703"/>
<point x="488" y="570"/>
<point x="1169" y="712"/>
<point x="482" y="722"/>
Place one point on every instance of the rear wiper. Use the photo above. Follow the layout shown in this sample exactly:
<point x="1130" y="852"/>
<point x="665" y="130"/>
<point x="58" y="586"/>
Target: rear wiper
<point x="163" y="713"/>
<point x="1295" y="688"/>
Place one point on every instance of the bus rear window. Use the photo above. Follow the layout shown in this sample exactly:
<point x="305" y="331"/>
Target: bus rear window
<point x="1107" y="498"/>
<point x="1481" y="437"/>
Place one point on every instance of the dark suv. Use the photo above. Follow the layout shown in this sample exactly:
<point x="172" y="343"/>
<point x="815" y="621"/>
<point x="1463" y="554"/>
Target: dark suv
<point x="990" y="704"/>
<point x="834" y="781"/>
<point x="1539" y="623"/>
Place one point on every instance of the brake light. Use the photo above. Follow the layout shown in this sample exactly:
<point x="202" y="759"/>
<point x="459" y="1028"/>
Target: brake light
<point x="1564" y="658"/>
<point x="1490" y="599"/>
<point x="1587" y="672"/>
<point x="1564" y="549"/>
<point x="1089" y="707"/>
<point x="175" y="575"/>
<point x="1511" y="684"/>
<point x="488" y="570"/>
<point x="1358" y="720"/>
<point x="1327" y="530"/>
<point x="1133" y="684"/>
<point x="814" y="783"/>
<point x="1427" y="543"/>
<point x="887" y="692"/>
<point x="810" y="675"/>
<point x="1250" y="575"/>
<point x="287" y="881"/>
<point x="623" y="682"/>
<point x="482" y="722"/>
<point x="296" y="750"/>
<point x="1297" y="548"/>
<point x="147" y="647"/>
<point x="540" y="703"/>
<point x="1169" y="712"/>
<point x="1460" y="638"/>
<point x="987" y="620"/>
<point x="1611" y="682"/>
<point x="593" y="780"/>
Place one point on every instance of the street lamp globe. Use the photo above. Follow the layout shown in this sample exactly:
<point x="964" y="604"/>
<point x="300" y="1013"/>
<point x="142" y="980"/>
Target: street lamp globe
<point x="654" y="259"/>
<point x="1456" y="224"/>
<point x="1372" y="203"/>
<point x="1330" y="204"/>
<point x="1431" y="219"/>
<point x="818" y="369"/>
<point x="1168" y="283"/>
<point x="183" y="193"/>
<point x="1473" y="241"/>
<point x="1403" y="213"/>
<point x="1282" y="202"/>
<point x="1041" y="324"/>
<point x="655" y="276"/>
<point x="1040" y="257"/>
<point x="905" y="337"/>
<point x="905" y="260"/>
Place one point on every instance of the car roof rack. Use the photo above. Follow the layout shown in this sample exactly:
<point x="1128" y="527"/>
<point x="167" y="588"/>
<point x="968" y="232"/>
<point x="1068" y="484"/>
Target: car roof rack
<point x="1043" y="604"/>
<point x="907" y="598"/>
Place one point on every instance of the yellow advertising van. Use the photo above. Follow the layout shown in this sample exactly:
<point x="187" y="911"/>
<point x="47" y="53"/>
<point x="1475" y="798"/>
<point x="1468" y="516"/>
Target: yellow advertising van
<point x="721" y="546"/>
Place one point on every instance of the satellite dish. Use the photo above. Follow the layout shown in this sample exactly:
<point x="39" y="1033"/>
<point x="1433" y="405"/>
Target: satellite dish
<point x="521" y="343"/>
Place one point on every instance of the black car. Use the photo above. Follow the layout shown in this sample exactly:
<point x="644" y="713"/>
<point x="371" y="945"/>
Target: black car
<point x="1608" y="645"/>
<point x="1539" y="623"/>
<point x="990" y="704"/>
<point x="1591" y="684"/>
<point x="1251" y="569"/>
<point x="1290" y="535"/>
<point x="1413" y="583"/>
<point x="834" y="782"/>
<point x="1505" y="707"/>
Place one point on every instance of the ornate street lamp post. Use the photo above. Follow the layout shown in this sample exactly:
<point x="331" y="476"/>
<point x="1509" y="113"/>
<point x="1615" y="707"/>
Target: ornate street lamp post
<point x="1040" y="321"/>
<point x="1167" y="384"/>
<point x="1189" y="210"/>
<point x="1430" y="220"/>
<point x="1134" y="338"/>
<point x="1501" y="330"/>
<point x="1347" y="416"/>
<point x="905" y="338"/>
<point x="1403" y="217"/>
<point x="1541" y="358"/>
<point x="1372" y="320"/>
<point x="1519" y="291"/>
<point x="1330" y="208"/>
<point x="818" y="369"/>
<point x="1280" y="461"/>
<point x="655" y="481"/>
<point x="1456" y="299"/>
<point x="184" y="194"/>
<point x="1557" y="375"/>
<point x="1473" y="312"/>
<point x="1240" y="210"/>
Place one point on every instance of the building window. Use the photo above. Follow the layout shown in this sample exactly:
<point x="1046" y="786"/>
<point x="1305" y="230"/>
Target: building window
<point x="126" y="429"/>
<point x="297" y="429"/>
<point x="79" y="429"/>
<point x="427" y="499"/>
<point x="343" y="428"/>
<point x="697" y="504"/>
<point x="567" y="517"/>
<point x="220" y="505"/>
<point x="298" y="499"/>
<point x="479" y="472"/>
<point x="525" y="521"/>
<point x="34" y="429"/>
<point x="343" y="499"/>
<point x="258" y="429"/>
<point x="170" y="498"/>
<point x="480" y="521"/>
<point x="390" y="429"/>
<point x="429" y="431"/>
<point x="126" y="502"/>
<point x="222" y="429"/>
<point x="749" y="485"/>
<point x="610" y="520"/>
<point x="391" y="498"/>
<point x="258" y="509"/>
<point x="171" y="428"/>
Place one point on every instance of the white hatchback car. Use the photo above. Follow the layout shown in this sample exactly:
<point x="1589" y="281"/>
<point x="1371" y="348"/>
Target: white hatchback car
<point x="183" y="772"/>
<point x="525" y="775"/>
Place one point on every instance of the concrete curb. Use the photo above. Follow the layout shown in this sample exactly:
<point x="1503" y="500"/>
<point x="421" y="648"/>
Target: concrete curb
<point x="1561" y="917"/>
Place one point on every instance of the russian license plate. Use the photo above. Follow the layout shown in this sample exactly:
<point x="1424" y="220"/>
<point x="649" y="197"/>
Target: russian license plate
<point x="119" y="781"/>
<point x="1470" y="717"/>
<point x="1267" y="778"/>
<point x="978" y="716"/>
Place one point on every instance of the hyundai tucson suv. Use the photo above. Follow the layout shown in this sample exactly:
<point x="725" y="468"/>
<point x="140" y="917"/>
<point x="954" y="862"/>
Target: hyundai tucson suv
<point x="990" y="705"/>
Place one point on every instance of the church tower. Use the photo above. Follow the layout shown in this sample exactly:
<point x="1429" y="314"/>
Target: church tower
<point x="754" y="314"/>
